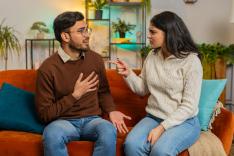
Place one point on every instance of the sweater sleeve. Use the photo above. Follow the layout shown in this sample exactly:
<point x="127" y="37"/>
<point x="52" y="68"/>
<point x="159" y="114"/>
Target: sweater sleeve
<point x="190" y="97"/>
<point x="138" y="83"/>
<point x="48" y="108"/>
<point x="104" y="95"/>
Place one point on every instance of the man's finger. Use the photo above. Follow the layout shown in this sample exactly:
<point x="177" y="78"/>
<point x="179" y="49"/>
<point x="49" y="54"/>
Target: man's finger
<point x="125" y="127"/>
<point x="93" y="84"/>
<point x="127" y="117"/>
<point x="92" y="89"/>
<point x="80" y="77"/>
<point x="122" y="127"/>
<point x="93" y="79"/>
<point x="119" y="128"/>
<point x="89" y="77"/>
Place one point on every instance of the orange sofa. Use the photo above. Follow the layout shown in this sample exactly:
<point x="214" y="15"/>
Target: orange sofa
<point x="15" y="143"/>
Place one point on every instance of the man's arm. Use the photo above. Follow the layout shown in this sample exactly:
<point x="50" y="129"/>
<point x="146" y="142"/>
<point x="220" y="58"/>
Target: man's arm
<point x="104" y="95"/>
<point x="107" y="104"/>
<point x="48" y="108"/>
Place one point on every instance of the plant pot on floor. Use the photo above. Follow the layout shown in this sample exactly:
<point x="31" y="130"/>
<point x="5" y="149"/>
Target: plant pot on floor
<point x="98" y="14"/>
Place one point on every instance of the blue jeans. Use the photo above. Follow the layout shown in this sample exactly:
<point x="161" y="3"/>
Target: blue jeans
<point x="60" y="132"/>
<point x="173" y="141"/>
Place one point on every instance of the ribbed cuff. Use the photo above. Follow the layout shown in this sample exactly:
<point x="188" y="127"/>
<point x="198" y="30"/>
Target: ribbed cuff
<point x="129" y="77"/>
<point x="166" y="124"/>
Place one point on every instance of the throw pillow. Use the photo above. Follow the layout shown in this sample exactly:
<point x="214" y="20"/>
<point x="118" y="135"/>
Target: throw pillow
<point x="210" y="92"/>
<point x="17" y="110"/>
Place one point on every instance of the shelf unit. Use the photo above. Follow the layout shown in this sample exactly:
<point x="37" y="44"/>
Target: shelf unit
<point x="111" y="12"/>
<point x="32" y="46"/>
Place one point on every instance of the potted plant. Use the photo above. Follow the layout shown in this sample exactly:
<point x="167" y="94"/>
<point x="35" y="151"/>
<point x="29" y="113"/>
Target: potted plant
<point x="122" y="27"/>
<point x="41" y="28"/>
<point x="98" y="5"/>
<point x="144" y="51"/>
<point x="147" y="3"/>
<point x="215" y="57"/>
<point x="9" y="43"/>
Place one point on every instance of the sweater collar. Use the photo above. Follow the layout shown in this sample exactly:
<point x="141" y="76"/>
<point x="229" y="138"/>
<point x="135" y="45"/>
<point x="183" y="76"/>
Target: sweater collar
<point x="65" y="57"/>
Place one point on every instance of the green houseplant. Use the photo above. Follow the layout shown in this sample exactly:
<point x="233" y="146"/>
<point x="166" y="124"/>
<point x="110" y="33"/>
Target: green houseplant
<point x="41" y="28"/>
<point x="148" y="5"/>
<point x="122" y="27"/>
<point x="9" y="42"/>
<point x="98" y="5"/>
<point x="215" y="57"/>
<point x="144" y="51"/>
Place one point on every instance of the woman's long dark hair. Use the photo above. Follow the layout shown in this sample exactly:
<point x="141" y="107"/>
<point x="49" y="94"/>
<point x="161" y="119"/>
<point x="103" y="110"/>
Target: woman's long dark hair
<point x="177" y="37"/>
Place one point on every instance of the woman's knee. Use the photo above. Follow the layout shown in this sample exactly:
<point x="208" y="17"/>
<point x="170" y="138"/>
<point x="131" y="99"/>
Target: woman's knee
<point x="161" y="150"/>
<point x="132" y="145"/>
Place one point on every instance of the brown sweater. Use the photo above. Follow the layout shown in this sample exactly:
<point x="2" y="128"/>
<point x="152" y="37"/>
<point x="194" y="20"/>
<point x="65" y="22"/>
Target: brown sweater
<point x="55" y="84"/>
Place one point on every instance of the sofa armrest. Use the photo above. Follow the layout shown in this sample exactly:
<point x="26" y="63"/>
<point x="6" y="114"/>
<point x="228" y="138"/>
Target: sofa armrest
<point x="223" y="128"/>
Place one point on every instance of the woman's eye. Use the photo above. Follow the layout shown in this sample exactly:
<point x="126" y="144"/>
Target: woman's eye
<point x="152" y="32"/>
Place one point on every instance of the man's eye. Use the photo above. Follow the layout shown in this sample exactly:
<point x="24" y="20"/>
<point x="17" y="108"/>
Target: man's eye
<point x="81" y="30"/>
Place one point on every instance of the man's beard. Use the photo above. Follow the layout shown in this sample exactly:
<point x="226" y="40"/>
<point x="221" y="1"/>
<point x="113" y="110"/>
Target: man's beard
<point x="78" y="49"/>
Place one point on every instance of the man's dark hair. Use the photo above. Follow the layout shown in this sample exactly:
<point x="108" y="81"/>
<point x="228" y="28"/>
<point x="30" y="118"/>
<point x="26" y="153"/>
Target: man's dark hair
<point x="64" y="21"/>
<point x="177" y="37"/>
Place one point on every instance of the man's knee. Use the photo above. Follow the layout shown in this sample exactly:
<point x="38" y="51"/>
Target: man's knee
<point x="56" y="132"/>
<point x="107" y="132"/>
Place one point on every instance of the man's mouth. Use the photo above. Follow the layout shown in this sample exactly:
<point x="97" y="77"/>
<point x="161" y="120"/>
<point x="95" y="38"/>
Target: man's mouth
<point x="86" y="41"/>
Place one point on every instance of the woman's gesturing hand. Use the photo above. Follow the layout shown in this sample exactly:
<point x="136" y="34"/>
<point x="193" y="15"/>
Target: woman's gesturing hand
<point x="121" y="67"/>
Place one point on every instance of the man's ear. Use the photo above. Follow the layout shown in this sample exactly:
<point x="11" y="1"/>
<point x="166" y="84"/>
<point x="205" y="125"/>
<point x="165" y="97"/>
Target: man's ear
<point x="65" y="37"/>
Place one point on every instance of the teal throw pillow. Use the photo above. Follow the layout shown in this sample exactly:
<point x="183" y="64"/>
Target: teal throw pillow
<point x="210" y="92"/>
<point x="17" y="110"/>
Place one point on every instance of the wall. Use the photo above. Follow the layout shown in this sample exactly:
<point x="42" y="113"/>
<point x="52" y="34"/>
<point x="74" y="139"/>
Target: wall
<point x="208" y="20"/>
<point x="21" y="14"/>
<point x="206" y="24"/>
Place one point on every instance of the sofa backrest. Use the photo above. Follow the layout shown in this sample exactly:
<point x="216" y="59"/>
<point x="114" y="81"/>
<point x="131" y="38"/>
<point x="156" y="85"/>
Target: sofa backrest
<point x="24" y="79"/>
<point x="126" y="101"/>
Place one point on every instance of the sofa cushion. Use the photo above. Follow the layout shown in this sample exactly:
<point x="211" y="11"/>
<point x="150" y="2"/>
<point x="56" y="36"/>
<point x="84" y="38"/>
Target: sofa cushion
<point x="210" y="92"/>
<point x="17" y="110"/>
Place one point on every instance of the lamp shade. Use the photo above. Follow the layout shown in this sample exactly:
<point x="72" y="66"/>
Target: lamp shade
<point x="232" y="13"/>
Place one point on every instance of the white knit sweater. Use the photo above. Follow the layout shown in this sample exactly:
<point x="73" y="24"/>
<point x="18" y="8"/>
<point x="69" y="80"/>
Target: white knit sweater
<point x="174" y="85"/>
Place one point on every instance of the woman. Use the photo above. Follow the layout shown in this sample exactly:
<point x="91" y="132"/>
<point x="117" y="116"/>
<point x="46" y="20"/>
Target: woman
<point x="172" y="75"/>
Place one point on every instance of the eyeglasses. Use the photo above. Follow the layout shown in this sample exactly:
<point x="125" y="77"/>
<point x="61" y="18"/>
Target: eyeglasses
<point x="82" y="31"/>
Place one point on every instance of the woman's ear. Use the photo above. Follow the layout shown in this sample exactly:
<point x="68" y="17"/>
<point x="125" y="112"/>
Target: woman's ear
<point x="65" y="37"/>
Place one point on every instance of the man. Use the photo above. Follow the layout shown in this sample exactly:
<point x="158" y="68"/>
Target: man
<point x="72" y="91"/>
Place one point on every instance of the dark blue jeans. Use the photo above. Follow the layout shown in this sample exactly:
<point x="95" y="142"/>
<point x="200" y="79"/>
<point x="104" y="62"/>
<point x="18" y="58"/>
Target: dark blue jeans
<point x="60" y="132"/>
